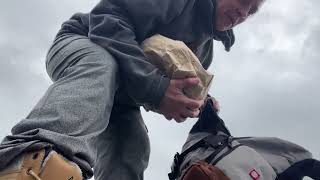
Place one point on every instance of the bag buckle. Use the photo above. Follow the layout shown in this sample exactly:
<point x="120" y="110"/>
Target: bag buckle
<point x="229" y="141"/>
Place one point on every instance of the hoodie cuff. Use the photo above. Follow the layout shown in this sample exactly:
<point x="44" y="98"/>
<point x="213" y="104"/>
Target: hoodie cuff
<point x="155" y="96"/>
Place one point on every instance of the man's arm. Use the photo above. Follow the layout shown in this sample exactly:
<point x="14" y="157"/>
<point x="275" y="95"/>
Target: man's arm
<point x="118" y="25"/>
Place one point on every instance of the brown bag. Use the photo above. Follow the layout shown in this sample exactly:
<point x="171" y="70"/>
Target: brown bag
<point x="203" y="171"/>
<point x="177" y="61"/>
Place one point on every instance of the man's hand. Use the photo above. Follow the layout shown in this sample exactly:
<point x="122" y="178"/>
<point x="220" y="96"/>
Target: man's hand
<point x="176" y="104"/>
<point x="216" y="104"/>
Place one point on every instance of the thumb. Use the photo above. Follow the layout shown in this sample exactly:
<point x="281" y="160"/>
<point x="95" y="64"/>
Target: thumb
<point x="190" y="82"/>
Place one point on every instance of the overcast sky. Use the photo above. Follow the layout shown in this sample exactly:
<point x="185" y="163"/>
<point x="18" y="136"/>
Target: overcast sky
<point x="268" y="85"/>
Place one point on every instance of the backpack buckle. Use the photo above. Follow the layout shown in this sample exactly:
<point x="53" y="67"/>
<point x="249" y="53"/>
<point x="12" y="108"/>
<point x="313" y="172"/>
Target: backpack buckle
<point x="229" y="141"/>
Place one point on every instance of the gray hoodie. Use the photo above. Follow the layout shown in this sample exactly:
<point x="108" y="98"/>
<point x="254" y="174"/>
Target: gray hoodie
<point x="120" y="26"/>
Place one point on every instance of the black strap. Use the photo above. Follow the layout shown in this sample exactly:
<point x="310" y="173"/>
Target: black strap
<point x="226" y="153"/>
<point x="178" y="159"/>
<point x="224" y="142"/>
<point x="216" y="141"/>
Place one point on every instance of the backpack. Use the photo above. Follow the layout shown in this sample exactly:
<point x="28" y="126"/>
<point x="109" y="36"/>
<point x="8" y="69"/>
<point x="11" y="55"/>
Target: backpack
<point x="211" y="153"/>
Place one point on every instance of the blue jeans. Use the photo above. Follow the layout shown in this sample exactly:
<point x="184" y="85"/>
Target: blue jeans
<point x="81" y="117"/>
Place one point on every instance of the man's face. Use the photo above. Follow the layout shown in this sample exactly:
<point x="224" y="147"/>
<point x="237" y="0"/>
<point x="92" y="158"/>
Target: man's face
<point x="230" y="13"/>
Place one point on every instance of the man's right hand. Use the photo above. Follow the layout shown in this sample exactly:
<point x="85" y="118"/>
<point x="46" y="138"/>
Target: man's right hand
<point x="176" y="104"/>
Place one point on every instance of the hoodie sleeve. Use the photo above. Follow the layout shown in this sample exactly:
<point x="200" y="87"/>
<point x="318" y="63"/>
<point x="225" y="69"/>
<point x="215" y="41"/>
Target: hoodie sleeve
<point x="119" y="26"/>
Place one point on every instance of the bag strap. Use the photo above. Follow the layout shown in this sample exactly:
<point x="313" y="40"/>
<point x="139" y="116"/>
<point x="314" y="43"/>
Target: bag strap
<point x="178" y="159"/>
<point x="215" y="141"/>
<point x="227" y="142"/>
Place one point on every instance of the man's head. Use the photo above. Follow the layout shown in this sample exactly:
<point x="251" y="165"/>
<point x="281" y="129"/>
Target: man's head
<point x="230" y="13"/>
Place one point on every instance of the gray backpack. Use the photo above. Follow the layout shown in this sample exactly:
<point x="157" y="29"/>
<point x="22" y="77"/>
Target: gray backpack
<point x="242" y="158"/>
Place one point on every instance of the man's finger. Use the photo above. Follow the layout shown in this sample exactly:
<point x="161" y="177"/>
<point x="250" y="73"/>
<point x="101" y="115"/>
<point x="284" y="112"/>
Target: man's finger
<point x="168" y="118"/>
<point x="216" y="105"/>
<point x="193" y="104"/>
<point x="188" y="82"/>
<point x="190" y="113"/>
<point x="180" y="119"/>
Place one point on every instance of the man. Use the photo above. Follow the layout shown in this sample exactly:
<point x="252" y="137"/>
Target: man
<point x="90" y="114"/>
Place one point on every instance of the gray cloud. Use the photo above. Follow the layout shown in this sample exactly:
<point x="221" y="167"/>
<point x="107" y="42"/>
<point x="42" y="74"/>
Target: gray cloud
<point x="268" y="85"/>
<point x="27" y="30"/>
<point x="273" y="89"/>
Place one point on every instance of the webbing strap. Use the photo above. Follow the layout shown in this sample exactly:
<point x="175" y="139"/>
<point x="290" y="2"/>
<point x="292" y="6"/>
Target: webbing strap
<point x="178" y="159"/>
<point x="224" y="142"/>
<point x="215" y="141"/>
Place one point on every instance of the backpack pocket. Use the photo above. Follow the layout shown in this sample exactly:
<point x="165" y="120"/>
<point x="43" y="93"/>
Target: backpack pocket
<point x="235" y="161"/>
<point x="244" y="163"/>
